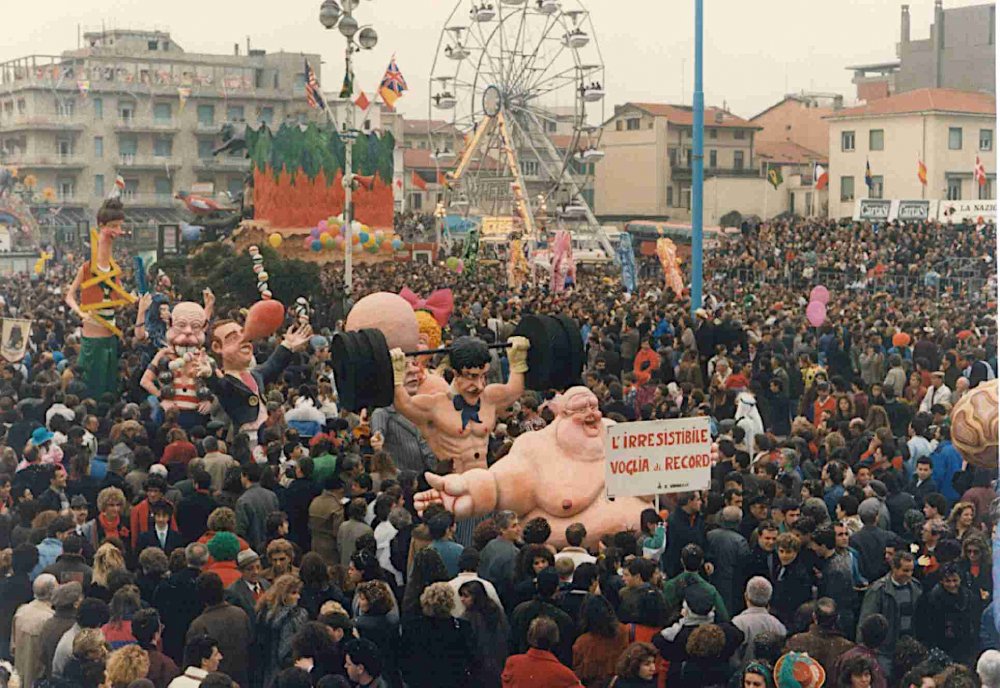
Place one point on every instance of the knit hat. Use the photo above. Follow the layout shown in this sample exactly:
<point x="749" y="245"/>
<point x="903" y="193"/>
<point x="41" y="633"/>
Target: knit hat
<point x="224" y="547"/>
<point x="67" y="595"/>
<point x="798" y="670"/>
<point x="879" y="488"/>
<point x="698" y="600"/>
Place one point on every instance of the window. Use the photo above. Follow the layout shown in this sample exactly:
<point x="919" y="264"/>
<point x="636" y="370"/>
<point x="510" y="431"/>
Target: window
<point x="205" y="148"/>
<point x="670" y="196"/>
<point x="163" y="146"/>
<point x="686" y="197"/>
<point x="234" y="185"/>
<point x="151" y="45"/>
<point x="126" y="111"/>
<point x="672" y="155"/>
<point x="162" y="112"/>
<point x="98" y="108"/>
<point x="878" y="183"/>
<point x="128" y="145"/>
<point x="64" y="147"/>
<point x="847" y="189"/>
<point x="713" y="133"/>
<point x="66" y="188"/>
<point x="876" y="139"/>
<point x="206" y="115"/>
<point x="163" y="187"/>
<point x="986" y="190"/>
<point x="300" y="82"/>
<point x="847" y="143"/>
<point x="738" y="160"/>
<point x="416" y="201"/>
<point x="21" y="106"/>
<point x="234" y="113"/>
<point x="619" y="125"/>
<point x="740" y="134"/>
<point x="131" y="188"/>
<point x="713" y="158"/>
<point x="267" y="115"/>
<point x="688" y="157"/>
<point x="65" y="107"/>
<point x="954" y="189"/>
<point x="98" y="146"/>
<point x="99" y="185"/>
<point x="985" y="139"/>
<point x="529" y="168"/>
<point x="632" y="123"/>
<point x="954" y="138"/>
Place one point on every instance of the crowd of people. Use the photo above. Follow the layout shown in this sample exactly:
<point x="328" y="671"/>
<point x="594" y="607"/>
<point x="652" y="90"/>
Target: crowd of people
<point x="844" y="541"/>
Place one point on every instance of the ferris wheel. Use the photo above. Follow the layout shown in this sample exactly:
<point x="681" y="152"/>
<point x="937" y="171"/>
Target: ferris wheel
<point x="516" y="107"/>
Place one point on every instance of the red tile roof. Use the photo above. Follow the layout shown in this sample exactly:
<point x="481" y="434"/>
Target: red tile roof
<point x="684" y="115"/>
<point x="417" y="158"/>
<point x="787" y="152"/>
<point x="925" y="100"/>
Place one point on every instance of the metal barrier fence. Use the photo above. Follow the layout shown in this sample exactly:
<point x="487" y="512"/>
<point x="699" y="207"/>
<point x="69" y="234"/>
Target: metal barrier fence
<point x="971" y="287"/>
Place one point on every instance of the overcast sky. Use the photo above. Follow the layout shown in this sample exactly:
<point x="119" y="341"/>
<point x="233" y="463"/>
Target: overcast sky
<point x="755" y="50"/>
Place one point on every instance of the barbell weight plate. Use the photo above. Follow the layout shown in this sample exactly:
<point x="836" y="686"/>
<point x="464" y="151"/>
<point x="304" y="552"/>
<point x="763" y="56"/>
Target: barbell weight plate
<point x="545" y="334"/>
<point x="366" y="373"/>
<point x="574" y="369"/>
<point x="343" y="355"/>
<point x="382" y="379"/>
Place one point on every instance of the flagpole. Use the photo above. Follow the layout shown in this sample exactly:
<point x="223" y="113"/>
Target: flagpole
<point x="767" y="183"/>
<point x="698" y="166"/>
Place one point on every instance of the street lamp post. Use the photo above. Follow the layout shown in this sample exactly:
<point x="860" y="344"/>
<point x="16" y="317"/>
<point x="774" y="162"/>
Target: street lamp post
<point x="698" y="164"/>
<point x="331" y="15"/>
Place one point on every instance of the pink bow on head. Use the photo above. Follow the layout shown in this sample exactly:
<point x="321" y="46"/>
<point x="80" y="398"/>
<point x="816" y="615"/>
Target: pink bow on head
<point x="440" y="303"/>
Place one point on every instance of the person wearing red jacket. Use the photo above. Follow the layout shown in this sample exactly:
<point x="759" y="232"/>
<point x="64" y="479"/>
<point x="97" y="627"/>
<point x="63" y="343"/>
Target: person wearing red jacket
<point x="141" y="518"/>
<point x="538" y="667"/>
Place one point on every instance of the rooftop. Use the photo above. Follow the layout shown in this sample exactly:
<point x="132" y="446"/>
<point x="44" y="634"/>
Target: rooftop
<point x="684" y="115"/>
<point x="924" y="100"/>
<point x="787" y="153"/>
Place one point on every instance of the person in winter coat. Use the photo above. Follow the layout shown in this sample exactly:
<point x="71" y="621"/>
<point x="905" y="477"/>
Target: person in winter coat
<point x="729" y="553"/>
<point x="437" y="648"/>
<point x="279" y="618"/>
<point x="947" y="618"/>
<point x="636" y="667"/>
<point x="686" y="525"/>
<point x="792" y="581"/>
<point x="490" y="631"/>
<point x="896" y="596"/>
<point x="602" y="641"/>
<point x="378" y="621"/>
<point x="226" y="623"/>
<point x="538" y="667"/>
<point x="176" y="598"/>
<point x="822" y="641"/>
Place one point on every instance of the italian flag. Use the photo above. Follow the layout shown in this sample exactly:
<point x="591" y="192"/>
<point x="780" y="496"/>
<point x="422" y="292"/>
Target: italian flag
<point x="821" y="177"/>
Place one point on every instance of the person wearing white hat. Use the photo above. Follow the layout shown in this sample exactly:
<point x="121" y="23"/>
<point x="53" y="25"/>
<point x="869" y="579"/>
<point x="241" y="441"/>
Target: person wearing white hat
<point x="937" y="393"/>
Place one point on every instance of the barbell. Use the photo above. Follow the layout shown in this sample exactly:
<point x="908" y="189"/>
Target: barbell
<point x="362" y="366"/>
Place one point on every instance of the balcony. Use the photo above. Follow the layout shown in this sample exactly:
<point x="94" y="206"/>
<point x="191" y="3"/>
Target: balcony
<point x="148" y="200"/>
<point x="208" y="127"/>
<point x="684" y="172"/>
<point x="54" y="161"/>
<point x="45" y="121"/>
<point x="147" y="162"/>
<point x="223" y="162"/>
<point x="141" y="124"/>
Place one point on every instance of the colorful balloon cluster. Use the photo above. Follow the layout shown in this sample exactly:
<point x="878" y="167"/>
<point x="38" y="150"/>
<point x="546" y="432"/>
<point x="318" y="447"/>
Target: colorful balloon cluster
<point x="456" y="264"/>
<point x="816" y="310"/>
<point x="258" y="268"/>
<point x="330" y="234"/>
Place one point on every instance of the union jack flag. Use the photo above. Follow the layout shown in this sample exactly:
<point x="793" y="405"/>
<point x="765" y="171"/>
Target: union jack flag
<point x="393" y="84"/>
<point x="313" y="94"/>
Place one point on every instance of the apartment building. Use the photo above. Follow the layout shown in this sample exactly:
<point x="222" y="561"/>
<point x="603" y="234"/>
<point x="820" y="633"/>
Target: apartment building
<point x="135" y="104"/>
<point x="945" y="128"/>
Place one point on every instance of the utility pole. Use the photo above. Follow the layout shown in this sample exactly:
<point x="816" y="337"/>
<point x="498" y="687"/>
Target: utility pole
<point x="698" y="167"/>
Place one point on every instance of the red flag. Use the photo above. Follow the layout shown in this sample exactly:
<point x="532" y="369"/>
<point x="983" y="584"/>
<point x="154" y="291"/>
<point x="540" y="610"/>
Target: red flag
<point x="980" y="172"/>
<point x="441" y="179"/>
<point x="921" y="171"/>
<point x="821" y="177"/>
<point x="418" y="181"/>
<point x="362" y="101"/>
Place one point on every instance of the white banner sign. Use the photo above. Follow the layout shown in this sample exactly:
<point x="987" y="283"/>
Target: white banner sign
<point x="14" y="338"/>
<point x="974" y="211"/>
<point x="657" y="457"/>
<point x="904" y="210"/>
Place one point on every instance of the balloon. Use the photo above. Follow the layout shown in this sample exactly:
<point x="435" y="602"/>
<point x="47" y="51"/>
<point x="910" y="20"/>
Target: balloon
<point x="316" y="245"/>
<point x="387" y="246"/>
<point x="821" y="294"/>
<point x="274" y="240"/>
<point x="314" y="233"/>
<point x="900" y="339"/>
<point x="816" y="313"/>
<point x="397" y="245"/>
<point x="355" y="239"/>
<point x="363" y="237"/>
<point x="452" y="262"/>
<point x="460" y="267"/>
<point x="263" y="319"/>
<point x="328" y="241"/>
<point x="322" y="226"/>
<point x="307" y="242"/>
<point x="339" y="241"/>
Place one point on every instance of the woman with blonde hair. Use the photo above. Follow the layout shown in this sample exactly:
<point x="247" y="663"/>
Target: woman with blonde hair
<point x="279" y="618"/>
<point x="108" y="558"/>
<point x="877" y="418"/>
<point x="126" y="664"/>
<point x="383" y="468"/>
<point x="962" y="520"/>
<point x="110" y="523"/>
